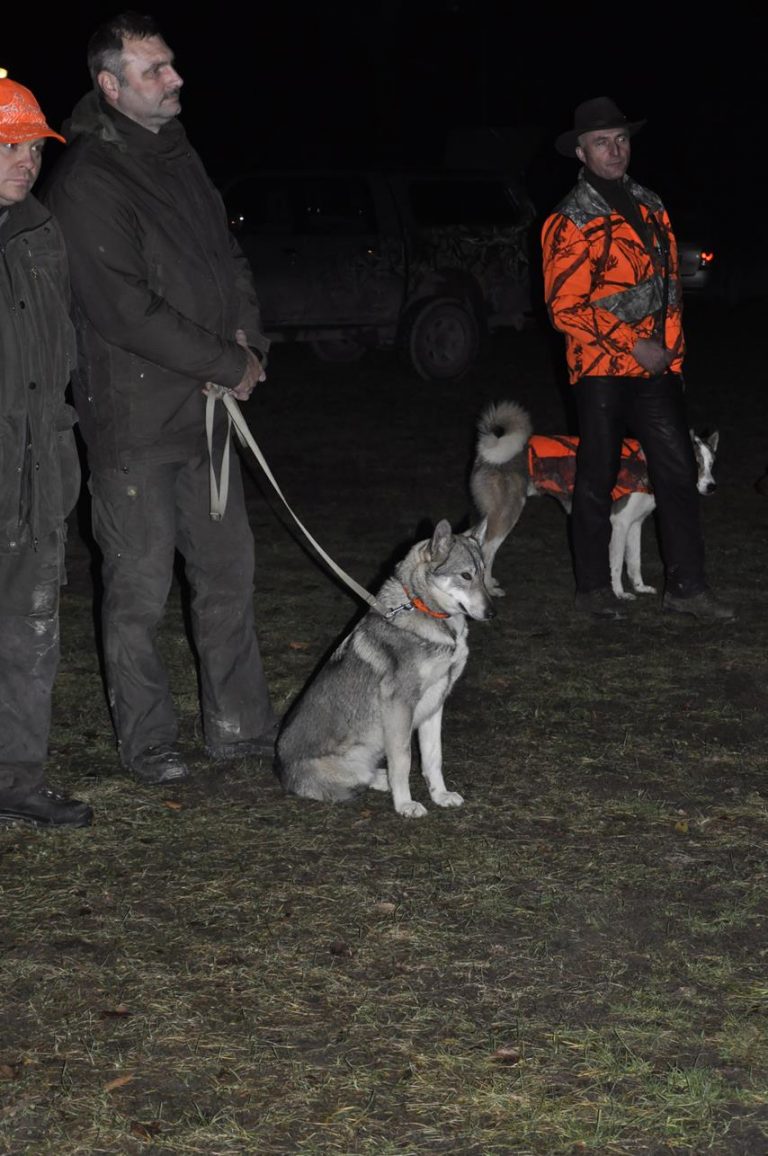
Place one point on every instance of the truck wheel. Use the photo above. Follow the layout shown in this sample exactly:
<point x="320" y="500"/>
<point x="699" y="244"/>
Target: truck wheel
<point x="340" y="349"/>
<point x="442" y="340"/>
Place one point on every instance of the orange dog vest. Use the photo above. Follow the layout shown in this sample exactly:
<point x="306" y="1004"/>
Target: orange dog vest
<point x="552" y="466"/>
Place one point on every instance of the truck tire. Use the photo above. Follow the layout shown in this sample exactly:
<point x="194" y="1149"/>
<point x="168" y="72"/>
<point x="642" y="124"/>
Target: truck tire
<point x="340" y="350"/>
<point x="442" y="339"/>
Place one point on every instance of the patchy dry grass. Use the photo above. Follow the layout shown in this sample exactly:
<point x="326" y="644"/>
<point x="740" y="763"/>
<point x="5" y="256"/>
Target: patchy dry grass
<point x="574" y="962"/>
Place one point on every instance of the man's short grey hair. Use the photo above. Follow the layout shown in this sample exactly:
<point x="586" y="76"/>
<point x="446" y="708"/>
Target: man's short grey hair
<point x="105" y="47"/>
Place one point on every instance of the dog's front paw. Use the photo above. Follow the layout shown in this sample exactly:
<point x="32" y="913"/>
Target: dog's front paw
<point x="624" y="595"/>
<point x="411" y="810"/>
<point x="448" y="799"/>
<point x="641" y="588"/>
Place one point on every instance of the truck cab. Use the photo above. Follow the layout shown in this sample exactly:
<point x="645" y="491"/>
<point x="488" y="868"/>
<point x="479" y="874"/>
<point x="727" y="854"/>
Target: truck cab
<point x="426" y="263"/>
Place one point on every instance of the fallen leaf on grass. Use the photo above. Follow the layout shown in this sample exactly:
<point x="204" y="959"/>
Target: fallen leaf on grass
<point x="339" y="947"/>
<point x="506" y="1054"/>
<point x="172" y="805"/>
<point x="115" y="1013"/>
<point x="145" y="1131"/>
<point x="385" y="907"/>
<point x="119" y="1082"/>
<point x="298" y="645"/>
<point x="10" y="1071"/>
<point x="681" y="826"/>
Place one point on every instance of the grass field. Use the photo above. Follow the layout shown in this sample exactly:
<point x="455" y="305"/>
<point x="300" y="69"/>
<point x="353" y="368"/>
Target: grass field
<point x="573" y="962"/>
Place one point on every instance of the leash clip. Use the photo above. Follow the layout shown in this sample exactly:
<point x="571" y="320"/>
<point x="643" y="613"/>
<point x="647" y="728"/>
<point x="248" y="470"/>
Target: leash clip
<point x="395" y="610"/>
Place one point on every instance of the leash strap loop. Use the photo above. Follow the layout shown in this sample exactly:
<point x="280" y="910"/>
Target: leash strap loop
<point x="219" y="492"/>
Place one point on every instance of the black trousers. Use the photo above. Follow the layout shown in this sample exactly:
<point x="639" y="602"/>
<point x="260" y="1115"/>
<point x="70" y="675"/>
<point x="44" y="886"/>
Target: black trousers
<point x="141" y="517"/>
<point x="29" y="659"/>
<point x="653" y="411"/>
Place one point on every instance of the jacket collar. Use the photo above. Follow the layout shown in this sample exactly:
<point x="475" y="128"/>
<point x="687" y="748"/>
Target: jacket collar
<point x="17" y="219"/>
<point x="92" y="116"/>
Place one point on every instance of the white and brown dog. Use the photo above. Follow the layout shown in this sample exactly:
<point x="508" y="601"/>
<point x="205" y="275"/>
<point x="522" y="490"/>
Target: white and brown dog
<point x="513" y="464"/>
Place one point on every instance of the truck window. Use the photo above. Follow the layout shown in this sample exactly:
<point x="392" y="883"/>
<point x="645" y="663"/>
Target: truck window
<point x="454" y="202"/>
<point x="336" y="205"/>
<point x="262" y="205"/>
<point x="301" y="204"/>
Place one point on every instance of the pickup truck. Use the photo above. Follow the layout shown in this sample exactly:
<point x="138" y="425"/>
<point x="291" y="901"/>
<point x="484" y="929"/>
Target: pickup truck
<point x="423" y="263"/>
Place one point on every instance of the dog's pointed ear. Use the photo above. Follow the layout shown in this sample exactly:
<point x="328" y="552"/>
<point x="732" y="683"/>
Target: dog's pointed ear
<point x="714" y="440"/>
<point x="478" y="532"/>
<point x="441" y="539"/>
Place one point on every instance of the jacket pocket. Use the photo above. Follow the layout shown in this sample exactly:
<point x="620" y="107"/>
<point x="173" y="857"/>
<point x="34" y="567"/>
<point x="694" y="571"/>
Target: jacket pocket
<point x="13" y="438"/>
<point x="118" y="515"/>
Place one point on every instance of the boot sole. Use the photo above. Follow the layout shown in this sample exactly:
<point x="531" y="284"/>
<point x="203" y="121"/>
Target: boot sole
<point x="11" y="818"/>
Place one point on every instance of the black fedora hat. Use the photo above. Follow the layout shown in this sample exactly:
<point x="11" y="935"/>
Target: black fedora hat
<point x="601" y="112"/>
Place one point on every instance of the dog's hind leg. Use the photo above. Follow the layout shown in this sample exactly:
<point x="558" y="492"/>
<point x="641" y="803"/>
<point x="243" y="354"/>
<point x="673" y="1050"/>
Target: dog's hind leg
<point x="619" y="531"/>
<point x="489" y="553"/>
<point x="487" y="548"/>
<point x="431" y="748"/>
<point x="328" y="779"/>
<point x="637" y="508"/>
<point x="500" y="523"/>
<point x="633" y="558"/>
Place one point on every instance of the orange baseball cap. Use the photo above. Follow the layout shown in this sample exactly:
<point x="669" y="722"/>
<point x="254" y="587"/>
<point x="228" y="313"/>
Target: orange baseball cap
<point x="21" y="118"/>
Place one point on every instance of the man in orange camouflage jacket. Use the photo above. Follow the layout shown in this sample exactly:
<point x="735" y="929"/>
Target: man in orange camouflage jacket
<point x="612" y="288"/>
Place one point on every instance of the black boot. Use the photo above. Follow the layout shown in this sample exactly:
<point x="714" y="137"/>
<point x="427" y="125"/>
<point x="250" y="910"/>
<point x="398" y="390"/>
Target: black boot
<point x="45" y="807"/>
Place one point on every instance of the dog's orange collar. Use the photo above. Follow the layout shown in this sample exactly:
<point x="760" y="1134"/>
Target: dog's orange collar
<point x="418" y="604"/>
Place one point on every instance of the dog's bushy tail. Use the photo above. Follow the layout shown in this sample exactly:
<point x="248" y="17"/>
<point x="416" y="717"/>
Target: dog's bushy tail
<point x="503" y="430"/>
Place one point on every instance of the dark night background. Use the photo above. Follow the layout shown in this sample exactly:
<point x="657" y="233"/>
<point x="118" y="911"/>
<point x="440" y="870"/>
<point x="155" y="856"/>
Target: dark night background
<point x="390" y="81"/>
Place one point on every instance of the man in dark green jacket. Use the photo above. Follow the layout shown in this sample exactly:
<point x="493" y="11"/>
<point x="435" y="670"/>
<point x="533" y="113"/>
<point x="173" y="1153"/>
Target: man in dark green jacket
<point x="39" y="469"/>
<point x="163" y="305"/>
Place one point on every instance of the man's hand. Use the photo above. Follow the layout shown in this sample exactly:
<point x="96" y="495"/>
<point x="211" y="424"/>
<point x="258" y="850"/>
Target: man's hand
<point x="254" y="372"/>
<point x="250" y="379"/>
<point x="652" y="355"/>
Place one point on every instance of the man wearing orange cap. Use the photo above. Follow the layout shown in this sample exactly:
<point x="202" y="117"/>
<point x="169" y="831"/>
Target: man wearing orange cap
<point x="39" y="469"/>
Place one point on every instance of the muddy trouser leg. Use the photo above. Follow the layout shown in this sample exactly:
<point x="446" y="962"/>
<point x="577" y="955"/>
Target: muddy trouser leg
<point x="29" y="659"/>
<point x="600" y="403"/>
<point x="658" y="420"/>
<point x="134" y="524"/>
<point x="219" y="565"/>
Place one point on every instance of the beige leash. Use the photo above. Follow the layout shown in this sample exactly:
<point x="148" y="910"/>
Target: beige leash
<point x="219" y="491"/>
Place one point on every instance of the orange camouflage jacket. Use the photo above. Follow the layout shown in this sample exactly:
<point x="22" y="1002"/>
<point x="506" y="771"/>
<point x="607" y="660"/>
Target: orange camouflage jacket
<point x="603" y="287"/>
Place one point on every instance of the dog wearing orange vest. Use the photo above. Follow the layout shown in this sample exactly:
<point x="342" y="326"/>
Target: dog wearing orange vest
<point x="513" y="464"/>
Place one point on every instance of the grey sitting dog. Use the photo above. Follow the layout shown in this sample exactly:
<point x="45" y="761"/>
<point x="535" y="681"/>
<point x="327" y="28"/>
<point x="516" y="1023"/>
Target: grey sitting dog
<point x="352" y="727"/>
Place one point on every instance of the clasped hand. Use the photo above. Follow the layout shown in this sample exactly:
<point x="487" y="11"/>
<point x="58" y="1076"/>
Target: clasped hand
<point x="254" y="373"/>
<point x="652" y="355"/>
